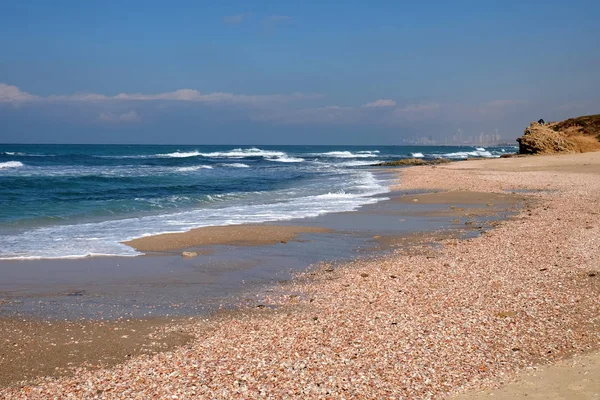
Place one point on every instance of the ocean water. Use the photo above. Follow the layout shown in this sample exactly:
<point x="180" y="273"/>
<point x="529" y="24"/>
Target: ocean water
<point x="71" y="201"/>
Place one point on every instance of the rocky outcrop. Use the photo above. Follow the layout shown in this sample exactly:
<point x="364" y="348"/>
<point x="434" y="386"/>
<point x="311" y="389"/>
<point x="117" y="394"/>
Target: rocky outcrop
<point x="404" y="162"/>
<point x="575" y="135"/>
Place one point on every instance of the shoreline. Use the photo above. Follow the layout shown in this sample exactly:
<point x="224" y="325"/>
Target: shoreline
<point x="239" y="235"/>
<point x="403" y="318"/>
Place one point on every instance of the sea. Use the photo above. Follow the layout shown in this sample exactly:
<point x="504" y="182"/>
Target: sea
<point x="75" y="201"/>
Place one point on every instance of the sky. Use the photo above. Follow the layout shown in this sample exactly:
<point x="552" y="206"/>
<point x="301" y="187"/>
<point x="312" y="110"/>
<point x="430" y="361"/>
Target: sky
<point x="291" y="72"/>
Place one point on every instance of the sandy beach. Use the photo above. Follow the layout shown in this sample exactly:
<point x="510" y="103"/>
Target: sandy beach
<point x="460" y="316"/>
<point x="244" y="235"/>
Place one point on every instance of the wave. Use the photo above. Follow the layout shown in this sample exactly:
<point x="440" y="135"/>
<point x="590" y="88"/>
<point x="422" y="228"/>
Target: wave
<point x="346" y="154"/>
<point x="466" y="154"/>
<point x="176" y="154"/>
<point x="285" y="159"/>
<point x="104" y="238"/>
<point x="417" y="155"/>
<point x="480" y="149"/>
<point x="244" y="153"/>
<point x="11" y="164"/>
<point x="237" y="165"/>
<point x="194" y="168"/>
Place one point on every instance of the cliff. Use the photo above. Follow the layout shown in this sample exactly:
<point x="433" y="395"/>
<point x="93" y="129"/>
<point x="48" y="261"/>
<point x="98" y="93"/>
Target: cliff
<point x="574" y="135"/>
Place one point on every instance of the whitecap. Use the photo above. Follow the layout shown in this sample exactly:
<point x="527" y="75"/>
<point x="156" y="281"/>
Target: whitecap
<point x="194" y="168"/>
<point x="243" y="153"/>
<point x="285" y="159"/>
<point x="345" y="154"/>
<point x="11" y="164"/>
<point x="466" y="154"/>
<point x="417" y="155"/>
<point x="179" y="154"/>
<point x="237" y="165"/>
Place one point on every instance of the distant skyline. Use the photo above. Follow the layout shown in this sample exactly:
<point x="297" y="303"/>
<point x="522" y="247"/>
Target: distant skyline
<point x="291" y="72"/>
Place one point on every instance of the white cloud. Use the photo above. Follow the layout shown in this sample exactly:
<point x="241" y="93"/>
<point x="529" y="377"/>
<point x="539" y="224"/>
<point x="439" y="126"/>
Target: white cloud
<point x="381" y="103"/>
<point x="235" y="19"/>
<point x="130" y="116"/>
<point x="12" y="94"/>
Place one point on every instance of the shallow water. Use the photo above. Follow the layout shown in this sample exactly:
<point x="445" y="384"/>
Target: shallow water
<point x="72" y="201"/>
<point x="161" y="285"/>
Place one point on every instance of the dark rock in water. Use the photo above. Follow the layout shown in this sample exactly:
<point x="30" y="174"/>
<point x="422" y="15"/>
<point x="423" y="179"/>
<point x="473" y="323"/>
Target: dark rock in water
<point x="76" y="293"/>
<point x="413" y="161"/>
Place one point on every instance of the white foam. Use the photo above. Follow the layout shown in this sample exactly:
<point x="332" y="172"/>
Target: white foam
<point x="237" y="165"/>
<point x="243" y="153"/>
<point x="11" y="164"/>
<point x="345" y="154"/>
<point x="356" y="163"/>
<point x="178" y="154"/>
<point x="194" y="168"/>
<point x="480" y="149"/>
<point x="466" y="154"/>
<point x="417" y="155"/>
<point x="285" y="159"/>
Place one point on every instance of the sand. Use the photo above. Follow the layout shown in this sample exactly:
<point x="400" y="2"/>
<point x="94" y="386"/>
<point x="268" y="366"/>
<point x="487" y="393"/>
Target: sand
<point x="246" y="235"/>
<point x="53" y="348"/>
<point x="464" y="315"/>
<point x="576" y="378"/>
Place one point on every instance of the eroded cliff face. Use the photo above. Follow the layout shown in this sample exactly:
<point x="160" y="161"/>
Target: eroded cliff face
<point x="575" y="135"/>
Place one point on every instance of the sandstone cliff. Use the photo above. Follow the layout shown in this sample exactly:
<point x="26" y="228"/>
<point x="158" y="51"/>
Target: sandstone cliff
<point x="574" y="135"/>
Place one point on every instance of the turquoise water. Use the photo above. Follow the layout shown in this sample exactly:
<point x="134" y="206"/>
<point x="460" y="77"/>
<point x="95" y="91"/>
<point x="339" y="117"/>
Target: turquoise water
<point x="69" y="201"/>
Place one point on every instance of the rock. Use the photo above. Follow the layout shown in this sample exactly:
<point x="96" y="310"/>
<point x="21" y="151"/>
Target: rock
<point x="575" y="135"/>
<point x="76" y="293"/>
<point x="189" y="254"/>
<point x="404" y="162"/>
<point x="283" y="241"/>
<point x="364" y="275"/>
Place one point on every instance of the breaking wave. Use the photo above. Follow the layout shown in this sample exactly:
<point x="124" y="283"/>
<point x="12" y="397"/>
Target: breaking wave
<point x="11" y="164"/>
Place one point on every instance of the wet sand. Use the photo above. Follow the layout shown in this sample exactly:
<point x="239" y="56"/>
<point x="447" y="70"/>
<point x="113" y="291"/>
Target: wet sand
<point x="416" y="325"/>
<point x="239" y="235"/>
<point x="34" y="348"/>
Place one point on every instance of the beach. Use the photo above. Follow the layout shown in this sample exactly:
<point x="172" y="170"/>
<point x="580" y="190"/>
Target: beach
<point x="451" y="315"/>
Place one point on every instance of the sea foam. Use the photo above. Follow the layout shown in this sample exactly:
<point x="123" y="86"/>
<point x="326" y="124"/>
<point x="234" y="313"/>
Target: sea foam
<point x="11" y="164"/>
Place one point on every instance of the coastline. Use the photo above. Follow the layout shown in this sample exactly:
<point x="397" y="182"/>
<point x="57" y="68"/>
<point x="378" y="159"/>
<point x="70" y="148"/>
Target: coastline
<point x="239" y="235"/>
<point x="404" y="325"/>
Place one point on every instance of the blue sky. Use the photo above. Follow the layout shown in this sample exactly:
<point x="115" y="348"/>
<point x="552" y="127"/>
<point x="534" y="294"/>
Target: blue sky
<point x="286" y="72"/>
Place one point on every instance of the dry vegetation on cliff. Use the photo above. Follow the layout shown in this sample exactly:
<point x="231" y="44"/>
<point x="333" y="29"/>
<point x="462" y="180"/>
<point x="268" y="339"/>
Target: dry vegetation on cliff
<point x="574" y="135"/>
